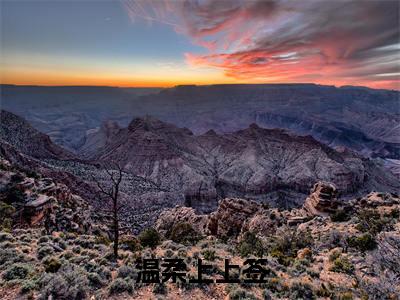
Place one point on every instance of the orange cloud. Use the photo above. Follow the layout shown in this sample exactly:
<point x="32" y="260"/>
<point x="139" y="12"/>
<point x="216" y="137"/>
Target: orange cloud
<point x="335" y="42"/>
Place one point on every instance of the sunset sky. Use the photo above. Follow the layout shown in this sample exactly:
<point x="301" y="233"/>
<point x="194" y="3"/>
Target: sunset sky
<point x="166" y="43"/>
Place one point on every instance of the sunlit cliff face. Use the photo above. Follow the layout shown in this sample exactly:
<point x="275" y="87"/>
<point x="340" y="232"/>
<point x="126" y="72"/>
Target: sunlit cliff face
<point x="328" y="42"/>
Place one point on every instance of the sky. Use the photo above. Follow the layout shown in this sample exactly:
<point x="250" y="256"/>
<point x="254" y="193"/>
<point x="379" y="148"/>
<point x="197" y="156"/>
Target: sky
<point x="167" y="43"/>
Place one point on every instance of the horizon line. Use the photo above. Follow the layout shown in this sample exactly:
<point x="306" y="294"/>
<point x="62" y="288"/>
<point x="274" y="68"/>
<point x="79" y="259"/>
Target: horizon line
<point x="197" y="85"/>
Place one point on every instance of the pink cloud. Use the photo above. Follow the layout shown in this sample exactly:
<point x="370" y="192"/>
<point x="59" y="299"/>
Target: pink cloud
<point x="335" y="42"/>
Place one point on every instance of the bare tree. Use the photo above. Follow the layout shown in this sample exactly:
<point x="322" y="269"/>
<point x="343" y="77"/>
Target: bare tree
<point x="111" y="192"/>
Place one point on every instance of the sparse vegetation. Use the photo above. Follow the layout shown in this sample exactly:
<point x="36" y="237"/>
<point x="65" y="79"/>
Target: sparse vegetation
<point x="372" y="222"/>
<point x="343" y="265"/>
<point x="17" y="271"/>
<point x="250" y="244"/>
<point x="69" y="283"/>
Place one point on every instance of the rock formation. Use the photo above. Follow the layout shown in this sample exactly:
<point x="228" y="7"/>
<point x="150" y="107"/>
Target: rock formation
<point x="180" y="214"/>
<point x="228" y="219"/>
<point x="322" y="200"/>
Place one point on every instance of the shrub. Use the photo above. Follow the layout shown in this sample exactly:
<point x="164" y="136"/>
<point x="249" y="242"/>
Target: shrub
<point x="16" y="178"/>
<point x="371" y="221"/>
<point x="342" y="265"/>
<point x="130" y="243"/>
<point x="340" y="215"/>
<point x="102" y="240"/>
<point x="149" y="238"/>
<point x="28" y="285"/>
<point x="6" y="237"/>
<point x="209" y="254"/>
<point x="6" y="214"/>
<point x="67" y="255"/>
<point x="44" y="239"/>
<point x="17" y="271"/>
<point x="160" y="288"/>
<point x="287" y="243"/>
<point x="250" y="244"/>
<point x="51" y="264"/>
<point x="10" y="256"/>
<point x="95" y="280"/>
<point x="69" y="283"/>
<point x="45" y="251"/>
<point x="170" y="245"/>
<point x="394" y="213"/>
<point x="6" y="245"/>
<point x="14" y="195"/>
<point x="241" y="294"/>
<point x="102" y="271"/>
<point x="119" y="286"/>
<point x="334" y="255"/>
<point x="85" y="241"/>
<point x="31" y="173"/>
<point x="300" y="290"/>
<point x="363" y="242"/>
<point x="76" y="249"/>
<point x="281" y="257"/>
<point x="184" y="233"/>
<point x="126" y="272"/>
<point x="345" y="296"/>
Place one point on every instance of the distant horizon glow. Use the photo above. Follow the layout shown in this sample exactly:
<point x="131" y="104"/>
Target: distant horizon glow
<point x="137" y="43"/>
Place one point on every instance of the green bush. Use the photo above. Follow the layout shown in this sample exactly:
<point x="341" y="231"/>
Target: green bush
<point x="334" y="255"/>
<point x="184" y="233"/>
<point x="51" y="264"/>
<point x="119" y="286"/>
<point x="17" y="271"/>
<point x="149" y="238"/>
<point x="6" y="215"/>
<point x="363" y="242"/>
<point x="371" y="221"/>
<point x="286" y="244"/>
<point x="209" y="254"/>
<point x="250" y="244"/>
<point x="340" y="215"/>
<point x="281" y="257"/>
<point x="342" y="265"/>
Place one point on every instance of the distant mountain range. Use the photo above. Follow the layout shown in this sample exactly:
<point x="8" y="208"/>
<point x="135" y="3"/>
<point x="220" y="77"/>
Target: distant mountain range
<point x="362" y="119"/>
<point x="268" y="165"/>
